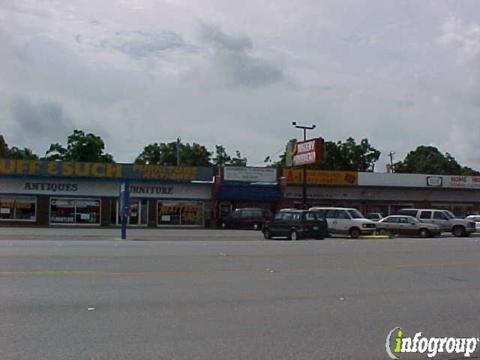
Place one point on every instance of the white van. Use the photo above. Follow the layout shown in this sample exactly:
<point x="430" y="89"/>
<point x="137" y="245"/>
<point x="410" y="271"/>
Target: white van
<point x="346" y="221"/>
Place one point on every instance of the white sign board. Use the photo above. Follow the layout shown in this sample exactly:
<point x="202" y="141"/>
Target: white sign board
<point x="250" y="174"/>
<point x="70" y="187"/>
<point x="419" y="180"/>
<point x="304" y="159"/>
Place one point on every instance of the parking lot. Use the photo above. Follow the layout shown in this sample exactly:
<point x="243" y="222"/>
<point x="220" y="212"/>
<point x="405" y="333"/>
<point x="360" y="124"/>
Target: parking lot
<point x="215" y="294"/>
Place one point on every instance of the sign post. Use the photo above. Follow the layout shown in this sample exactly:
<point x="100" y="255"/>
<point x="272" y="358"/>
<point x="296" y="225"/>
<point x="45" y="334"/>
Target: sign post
<point x="124" y="208"/>
<point x="307" y="152"/>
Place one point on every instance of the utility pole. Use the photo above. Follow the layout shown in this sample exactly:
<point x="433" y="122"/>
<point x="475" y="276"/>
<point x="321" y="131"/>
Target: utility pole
<point x="390" y="155"/>
<point x="304" y="184"/>
<point x="178" y="151"/>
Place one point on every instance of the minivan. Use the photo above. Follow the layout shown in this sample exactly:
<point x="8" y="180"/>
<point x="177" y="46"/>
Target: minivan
<point x="296" y="224"/>
<point x="347" y="221"/>
<point x="246" y="218"/>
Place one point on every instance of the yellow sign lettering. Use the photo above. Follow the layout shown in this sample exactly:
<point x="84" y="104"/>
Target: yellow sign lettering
<point x="7" y="166"/>
<point x="98" y="170"/>
<point x="33" y="167"/>
<point x="82" y="169"/>
<point x="52" y="168"/>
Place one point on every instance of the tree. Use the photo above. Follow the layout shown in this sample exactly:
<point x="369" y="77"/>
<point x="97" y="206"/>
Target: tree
<point x="346" y="156"/>
<point x="21" y="154"/>
<point x="3" y="148"/>
<point x="80" y="147"/>
<point x="238" y="160"/>
<point x="223" y="159"/>
<point x="350" y="156"/>
<point x="15" y="152"/>
<point x="429" y="160"/>
<point x="166" y="154"/>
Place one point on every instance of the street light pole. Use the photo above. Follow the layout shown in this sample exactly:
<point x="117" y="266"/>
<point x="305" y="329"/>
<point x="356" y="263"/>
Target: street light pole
<point x="304" y="183"/>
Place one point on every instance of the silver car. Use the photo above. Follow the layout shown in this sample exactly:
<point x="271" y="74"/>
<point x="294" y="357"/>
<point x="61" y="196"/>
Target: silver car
<point x="408" y="226"/>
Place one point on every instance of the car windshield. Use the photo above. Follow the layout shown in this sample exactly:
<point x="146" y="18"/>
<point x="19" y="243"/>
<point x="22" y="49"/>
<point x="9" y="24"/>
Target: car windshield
<point x="355" y="214"/>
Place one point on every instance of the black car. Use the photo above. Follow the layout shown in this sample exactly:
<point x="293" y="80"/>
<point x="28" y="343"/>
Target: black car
<point x="296" y="224"/>
<point x="246" y="218"/>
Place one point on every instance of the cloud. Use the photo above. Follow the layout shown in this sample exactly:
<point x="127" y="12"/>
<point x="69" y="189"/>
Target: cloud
<point x="39" y="121"/>
<point x="465" y="38"/>
<point x="139" y="44"/>
<point x="234" y="61"/>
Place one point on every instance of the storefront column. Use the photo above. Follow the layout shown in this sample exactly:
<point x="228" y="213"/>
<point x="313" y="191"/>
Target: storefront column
<point x="43" y="209"/>
<point x="106" y="208"/>
<point x="152" y="213"/>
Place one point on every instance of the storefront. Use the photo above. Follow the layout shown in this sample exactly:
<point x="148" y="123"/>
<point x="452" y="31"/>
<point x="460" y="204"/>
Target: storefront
<point x="386" y="193"/>
<point x="246" y="187"/>
<point x="158" y="196"/>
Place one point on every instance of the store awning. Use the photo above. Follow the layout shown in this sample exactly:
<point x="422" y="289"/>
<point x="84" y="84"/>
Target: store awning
<point x="249" y="192"/>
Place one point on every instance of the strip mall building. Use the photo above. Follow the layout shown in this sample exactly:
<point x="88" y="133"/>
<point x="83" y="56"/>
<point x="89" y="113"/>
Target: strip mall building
<point x="43" y="193"/>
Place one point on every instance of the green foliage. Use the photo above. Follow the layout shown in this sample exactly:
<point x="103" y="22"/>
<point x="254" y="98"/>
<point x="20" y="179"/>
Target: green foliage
<point x="238" y="160"/>
<point x="346" y="156"/>
<point x="429" y="160"/>
<point x="80" y="147"/>
<point x="15" y="152"/>
<point x="222" y="158"/>
<point x="166" y="154"/>
<point x="3" y="148"/>
<point x="21" y="154"/>
<point x="349" y="156"/>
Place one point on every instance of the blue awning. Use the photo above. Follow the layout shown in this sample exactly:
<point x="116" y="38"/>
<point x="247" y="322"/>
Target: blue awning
<point x="249" y="192"/>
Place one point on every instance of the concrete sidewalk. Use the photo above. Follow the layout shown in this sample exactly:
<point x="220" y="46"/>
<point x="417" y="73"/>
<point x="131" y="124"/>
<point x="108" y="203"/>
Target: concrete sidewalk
<point x="75" y="233"/>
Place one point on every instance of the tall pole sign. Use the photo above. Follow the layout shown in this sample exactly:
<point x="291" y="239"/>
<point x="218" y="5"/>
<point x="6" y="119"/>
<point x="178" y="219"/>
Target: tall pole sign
<point x="307" y="152"/>
<point x="124" y="207"/>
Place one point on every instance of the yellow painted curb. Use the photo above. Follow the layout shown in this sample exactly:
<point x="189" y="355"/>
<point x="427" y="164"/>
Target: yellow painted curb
<point x="374" y="237"/>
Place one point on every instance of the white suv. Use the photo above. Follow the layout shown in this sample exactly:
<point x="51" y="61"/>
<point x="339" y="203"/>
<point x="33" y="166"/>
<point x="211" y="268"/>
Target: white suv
<point x="346" y="221"/>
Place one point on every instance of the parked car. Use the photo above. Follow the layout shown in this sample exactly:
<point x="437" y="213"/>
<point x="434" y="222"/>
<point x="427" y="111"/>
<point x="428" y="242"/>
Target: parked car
<point x="346" y="221"/>
<point x="296" y="224"/>
<point x="246" y="218"/>
<point x="443" y="218"/>
<point x="407" y="225"/>
<point x="375" y="216"/>
<point x="476" y="219"/>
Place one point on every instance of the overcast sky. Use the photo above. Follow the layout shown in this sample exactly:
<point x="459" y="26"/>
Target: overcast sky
<point x="399" y="72"/>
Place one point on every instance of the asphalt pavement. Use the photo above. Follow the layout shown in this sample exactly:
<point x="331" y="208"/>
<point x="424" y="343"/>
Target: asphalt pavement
<point x="228" y="294"/>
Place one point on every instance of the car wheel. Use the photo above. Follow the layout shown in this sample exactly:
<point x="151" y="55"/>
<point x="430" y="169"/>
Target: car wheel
<point x="424" y="233"/>
<point x="459" y="231"/>
<point x="383" y="232"/>
<point x="355" y="233"/>
<point x="267" y="234"/>
<point x="255" y="227"/>
<point x="293" y="236"/>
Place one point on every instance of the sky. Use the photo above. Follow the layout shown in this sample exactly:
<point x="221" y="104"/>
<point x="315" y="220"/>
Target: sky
<point x="401" y="73"/>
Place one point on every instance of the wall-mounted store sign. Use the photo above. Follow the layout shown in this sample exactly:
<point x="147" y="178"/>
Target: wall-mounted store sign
<point x="318" y="177"/>
<point x="309" y="152"/>
<point x="51" y="187"/>
<point x="147" y="189"/>
<point x="102" y="170"/>
<point x="250" y="174"/>
<point x="435" y="181"/>
<point x="419" y="180"/>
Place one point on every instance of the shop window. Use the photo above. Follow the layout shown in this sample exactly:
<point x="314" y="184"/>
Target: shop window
<point x="138" y="212"/>
<point x="180" y="213"/>
<point x="18" y="208"/>
<point x="74" y="211"/>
